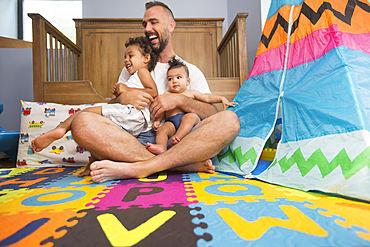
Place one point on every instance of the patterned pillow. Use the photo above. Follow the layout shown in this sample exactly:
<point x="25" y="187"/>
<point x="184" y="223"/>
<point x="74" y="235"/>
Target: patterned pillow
<point x="38" y="118"/>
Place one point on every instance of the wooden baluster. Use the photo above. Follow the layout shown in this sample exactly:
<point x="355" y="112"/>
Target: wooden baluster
<point x="232" y="48"/>
<point x="65" y="63"/>
<point x="228" y="59"/>
<point x="51" y="58"/>
<point x="234" y="54"/>
<point x="69" y="65"/>
<point x="74" y="64"/>
<point x="61" y="61"/>
<point x="56" y="60"/>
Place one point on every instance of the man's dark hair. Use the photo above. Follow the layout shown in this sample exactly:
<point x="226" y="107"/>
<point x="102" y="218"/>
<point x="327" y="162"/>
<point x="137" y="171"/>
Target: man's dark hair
<point x="176" y="63"/>
<point x="145" y="47"/>
<point x="151" y="4"/>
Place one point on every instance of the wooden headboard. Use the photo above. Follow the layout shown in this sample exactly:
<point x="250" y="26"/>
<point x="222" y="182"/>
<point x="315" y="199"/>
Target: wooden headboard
<point x="84" y="72"/>
<point x="102" y="46"/>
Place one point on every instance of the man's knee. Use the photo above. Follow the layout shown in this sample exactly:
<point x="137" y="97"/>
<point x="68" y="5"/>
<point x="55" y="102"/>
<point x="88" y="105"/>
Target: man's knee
<point x="80" y="125"/>
<point x="80" y="120"/>
<point x="226" y="120"/>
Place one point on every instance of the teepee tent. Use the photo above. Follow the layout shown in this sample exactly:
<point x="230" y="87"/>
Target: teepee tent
<point x="312" y="67"/>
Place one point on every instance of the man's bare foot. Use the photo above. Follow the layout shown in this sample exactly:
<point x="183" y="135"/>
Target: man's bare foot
<point x="106" y="170"/>
<point x="204" y="166"/>
<point x="155" y="148"/>
<point x="46" y="139"/>
<point x="174" y="141"/>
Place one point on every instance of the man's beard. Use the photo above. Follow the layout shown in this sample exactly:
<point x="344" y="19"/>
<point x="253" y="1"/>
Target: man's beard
<point x="163" y="42"/>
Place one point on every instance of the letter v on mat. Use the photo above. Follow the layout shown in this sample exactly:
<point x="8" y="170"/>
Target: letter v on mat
<point x="118" y="235"/>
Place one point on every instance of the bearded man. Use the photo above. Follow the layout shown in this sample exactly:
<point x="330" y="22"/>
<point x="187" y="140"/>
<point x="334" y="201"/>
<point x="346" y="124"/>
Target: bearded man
<point x="122" y="155"/>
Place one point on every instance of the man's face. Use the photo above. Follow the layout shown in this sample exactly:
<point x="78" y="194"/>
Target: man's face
<point x="156" y="27"/>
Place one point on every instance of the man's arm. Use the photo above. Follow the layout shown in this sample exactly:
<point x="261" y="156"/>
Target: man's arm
<point x="167" y="102"/>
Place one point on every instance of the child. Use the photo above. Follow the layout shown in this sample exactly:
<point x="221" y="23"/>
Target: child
<point x="178" y="123"/>
<point x="139" y="61"/>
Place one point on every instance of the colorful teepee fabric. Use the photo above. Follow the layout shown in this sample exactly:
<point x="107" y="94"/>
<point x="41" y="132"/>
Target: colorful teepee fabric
<point x="313" y="63"/>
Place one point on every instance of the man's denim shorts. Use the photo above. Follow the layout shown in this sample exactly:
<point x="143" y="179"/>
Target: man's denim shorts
<point x="145" y="137"/>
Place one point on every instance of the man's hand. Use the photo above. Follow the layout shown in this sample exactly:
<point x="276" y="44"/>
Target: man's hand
<point x="137" y="98"/>
<point x="165" y="102"/>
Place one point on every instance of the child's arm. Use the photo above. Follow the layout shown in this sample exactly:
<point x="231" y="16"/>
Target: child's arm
<point x="210" y="98"/>
<point x="149" y="87"/>
<point x="147" y="80"/>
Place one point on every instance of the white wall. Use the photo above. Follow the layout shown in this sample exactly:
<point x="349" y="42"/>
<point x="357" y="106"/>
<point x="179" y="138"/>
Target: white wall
<point x="15" y="84"/>
<point x="136" y="9"/>
<point x="265" y="6"/>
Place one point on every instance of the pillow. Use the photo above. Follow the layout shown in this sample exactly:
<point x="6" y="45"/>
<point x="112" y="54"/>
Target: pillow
<point x="38" y="118"/>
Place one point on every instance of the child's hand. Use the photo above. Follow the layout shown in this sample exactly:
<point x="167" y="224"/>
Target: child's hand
<point x="156" y="125"/>
<point x="116" y="89"/>
<point x="227" y="103"/>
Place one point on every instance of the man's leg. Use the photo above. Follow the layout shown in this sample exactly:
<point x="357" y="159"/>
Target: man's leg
<point x="211" y="136"/>
<point x="105" y="140"/>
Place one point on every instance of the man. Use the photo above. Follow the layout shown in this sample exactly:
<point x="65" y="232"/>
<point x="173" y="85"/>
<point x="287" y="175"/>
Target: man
<point x="121" y="154"/>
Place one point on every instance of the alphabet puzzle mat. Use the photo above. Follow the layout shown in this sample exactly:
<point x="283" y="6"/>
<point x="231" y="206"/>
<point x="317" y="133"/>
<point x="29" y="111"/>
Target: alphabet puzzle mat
<point x="54" y="207"/>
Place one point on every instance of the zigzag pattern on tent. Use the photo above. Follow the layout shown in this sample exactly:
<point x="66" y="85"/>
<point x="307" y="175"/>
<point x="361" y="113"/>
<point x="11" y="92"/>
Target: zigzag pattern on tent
<point x="349" y="168"/>
<point x="314" y="16"/>
<point x="318" y="25"/>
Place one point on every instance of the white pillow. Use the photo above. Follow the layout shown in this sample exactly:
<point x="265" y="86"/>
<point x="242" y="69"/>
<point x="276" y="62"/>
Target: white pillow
<point x="38" y="118"/>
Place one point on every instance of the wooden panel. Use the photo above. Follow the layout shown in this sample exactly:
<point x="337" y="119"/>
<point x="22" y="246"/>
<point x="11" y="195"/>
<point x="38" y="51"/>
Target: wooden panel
<point x="103" y="57"/>
<point x="197" y="42"/>
<point x="227" y="87"/>
<point x="71" y="92"/>
<point x="203" y="56"/>
<point x="102" y="43"/>
<point x="14" y="43"/>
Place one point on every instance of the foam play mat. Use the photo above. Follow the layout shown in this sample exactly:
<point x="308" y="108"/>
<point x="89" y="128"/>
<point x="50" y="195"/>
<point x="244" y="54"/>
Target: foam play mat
<point x="55" y="207"/>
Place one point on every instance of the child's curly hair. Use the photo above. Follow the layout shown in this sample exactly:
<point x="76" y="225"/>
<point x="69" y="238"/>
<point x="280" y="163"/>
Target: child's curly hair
<point x="176" y="63"/>
<point x="145" y="47"/>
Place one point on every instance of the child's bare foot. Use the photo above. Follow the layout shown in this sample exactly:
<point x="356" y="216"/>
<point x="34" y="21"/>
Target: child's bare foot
<point x="155" y="148"/>
<point x="46" y="139"/>
<point x="174" y="141"/>
<point x="205" y="166"/>
<point x="86" y="172"/>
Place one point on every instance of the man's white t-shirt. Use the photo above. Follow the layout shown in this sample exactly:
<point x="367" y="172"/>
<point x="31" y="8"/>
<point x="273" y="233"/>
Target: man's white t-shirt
<point x="197" y="79"/>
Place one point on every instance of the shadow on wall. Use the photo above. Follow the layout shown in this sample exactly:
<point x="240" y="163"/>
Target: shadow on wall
<point x="15" y="84"/>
